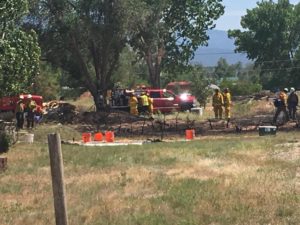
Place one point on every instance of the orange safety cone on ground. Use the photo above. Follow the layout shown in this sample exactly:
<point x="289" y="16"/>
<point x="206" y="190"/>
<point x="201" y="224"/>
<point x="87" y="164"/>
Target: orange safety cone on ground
<point x="189" y="134"/>
<point x="86" y="137"/>
<point x="109" y="136"/>
<point x="98" y="136"/>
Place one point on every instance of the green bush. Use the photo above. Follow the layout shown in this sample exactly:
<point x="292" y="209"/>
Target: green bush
<point x="241" y="87"/>
<point x="4" y="143"/>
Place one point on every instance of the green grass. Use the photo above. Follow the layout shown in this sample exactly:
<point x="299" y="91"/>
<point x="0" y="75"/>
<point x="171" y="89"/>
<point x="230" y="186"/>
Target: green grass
<point x="243" y="109"/>
<point x="224" y="180"/>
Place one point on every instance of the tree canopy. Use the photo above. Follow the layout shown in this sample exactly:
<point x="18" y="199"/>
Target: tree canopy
<point x="223" y="70"/>
<point x="169" y="31"/>
<point x="19" y="51"/>
<point x="271" y="38"/>
<point x="84" y="37"/>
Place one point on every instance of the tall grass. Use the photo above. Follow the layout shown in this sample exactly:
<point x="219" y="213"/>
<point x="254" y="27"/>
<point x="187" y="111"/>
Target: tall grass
<point x="229" y="180"/>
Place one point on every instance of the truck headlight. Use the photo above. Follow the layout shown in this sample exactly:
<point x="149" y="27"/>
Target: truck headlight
<point x="184" y="97"/>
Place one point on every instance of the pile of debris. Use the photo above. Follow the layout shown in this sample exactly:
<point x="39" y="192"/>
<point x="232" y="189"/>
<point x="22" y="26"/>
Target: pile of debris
<point x="66" y="113"/>
<point x="262" y="95"/>
<point x="60" y="111"/>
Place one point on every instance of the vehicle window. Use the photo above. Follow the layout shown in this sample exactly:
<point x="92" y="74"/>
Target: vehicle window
<point x="155" y="94"/>
<point x="167" y="95"/>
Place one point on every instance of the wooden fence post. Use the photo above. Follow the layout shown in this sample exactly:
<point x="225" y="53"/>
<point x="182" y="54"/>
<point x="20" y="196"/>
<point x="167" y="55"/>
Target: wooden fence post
<point x="57" y="173"/>
<point x="3" y="163"/>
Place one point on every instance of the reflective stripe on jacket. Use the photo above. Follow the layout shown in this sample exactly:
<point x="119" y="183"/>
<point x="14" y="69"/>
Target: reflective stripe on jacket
<point x="31" y="106"/>
<point x="217" y="99"/>
<point x="227" y="99"/>
<point x="283" y="98"/>
<point x="144" y="99"/>
<point x="20" y="107"/>
<point x="133" y="102"/>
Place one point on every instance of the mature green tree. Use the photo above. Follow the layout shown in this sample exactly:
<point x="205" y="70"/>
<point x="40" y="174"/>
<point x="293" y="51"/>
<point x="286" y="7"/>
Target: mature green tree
<point x="84" y="37"/>
<point x="47" y="82"/>
<point x="271" y="38"/>
<point x="131" y="72"/>
<point x="200" y="84"/>
<point x="249" y="73"/>
<point x="169" y="31"/>
<point x="223" y="70"/>
<point x="19" y="50"/>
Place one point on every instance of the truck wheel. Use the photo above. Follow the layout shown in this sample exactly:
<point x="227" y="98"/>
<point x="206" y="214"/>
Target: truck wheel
<point x="186" y="108"/>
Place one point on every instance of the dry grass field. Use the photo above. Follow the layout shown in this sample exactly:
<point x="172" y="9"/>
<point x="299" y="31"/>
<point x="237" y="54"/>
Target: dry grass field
<point x="221" y="177"/>
<point x="230" y="179"/>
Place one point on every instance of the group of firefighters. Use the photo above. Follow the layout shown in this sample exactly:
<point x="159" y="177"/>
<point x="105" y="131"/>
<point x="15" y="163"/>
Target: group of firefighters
<point x="220" y="100"/>
<point x="286" y="102"/>
<point x="27" y="109"/>
<point x="141" y="105"/>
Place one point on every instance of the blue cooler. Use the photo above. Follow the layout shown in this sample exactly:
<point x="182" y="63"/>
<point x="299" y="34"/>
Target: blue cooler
<point x="267" y="130"/>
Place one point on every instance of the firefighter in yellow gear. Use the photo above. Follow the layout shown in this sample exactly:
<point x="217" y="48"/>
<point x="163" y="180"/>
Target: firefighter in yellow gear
<point x="20" y="107"/>
<point x="145" y="102"/>
<point x="150" y="107"/>
<point x="227" y="103"/>
<point x="282" y="106"/>
<point x="133" y="104"/>
<point x="30" y="108"/>
<point x="217" y="103"/>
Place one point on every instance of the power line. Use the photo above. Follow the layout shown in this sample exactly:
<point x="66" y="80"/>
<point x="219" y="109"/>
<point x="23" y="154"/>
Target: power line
<point x="278" y="69"/>
<point x="233" y="53"/>
<point x="259" y="69"/>
<point x="218" y="53"/>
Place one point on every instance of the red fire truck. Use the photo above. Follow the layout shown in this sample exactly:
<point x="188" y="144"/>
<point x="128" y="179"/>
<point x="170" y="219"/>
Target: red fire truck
<point x="8" y="104"/>
<point x="164" y="100"/>
<point x="167" y="101"/>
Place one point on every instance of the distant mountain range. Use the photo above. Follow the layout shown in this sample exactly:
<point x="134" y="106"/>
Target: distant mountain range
<point x="219" y="45"/>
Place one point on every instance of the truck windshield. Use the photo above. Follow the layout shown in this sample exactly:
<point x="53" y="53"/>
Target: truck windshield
<point x="168" y="95"/>
<point x="155" y="94"/>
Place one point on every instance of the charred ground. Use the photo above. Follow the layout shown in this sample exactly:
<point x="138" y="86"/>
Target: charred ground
<point x="247" y="114"/>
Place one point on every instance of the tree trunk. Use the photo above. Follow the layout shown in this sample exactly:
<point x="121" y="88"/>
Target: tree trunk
<point x="154" y="69"/>
<point x="99" y="100"/>
<point x="154" y="76"/>
<point x="97" y="88"/>
<point x="154" y="64"/>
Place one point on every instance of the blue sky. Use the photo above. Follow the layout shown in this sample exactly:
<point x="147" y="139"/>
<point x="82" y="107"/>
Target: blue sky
<point x="234" y="9"/>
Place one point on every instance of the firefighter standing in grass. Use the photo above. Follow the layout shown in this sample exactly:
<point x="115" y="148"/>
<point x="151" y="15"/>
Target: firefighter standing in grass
<point x="217" y="102"/>
<point x="281" y="105"/>
<point x="20" y="107"/>
<point x="30" y="109"/>
<point x="292" y="102"/>
<point x="145" y="102"/>
<point x="133" y="104"/>
<point x="227" y="103"/>
<point x="150" y="107"/>
<point x="38" y="114"/>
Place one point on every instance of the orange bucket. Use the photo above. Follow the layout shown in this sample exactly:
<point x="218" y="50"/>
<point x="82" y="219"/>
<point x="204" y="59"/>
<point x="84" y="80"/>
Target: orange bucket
<point x="189" y="134"/>
<point x="109" y="136"/>
<point x="86" y="137"/>
<point x="98" y="137"/>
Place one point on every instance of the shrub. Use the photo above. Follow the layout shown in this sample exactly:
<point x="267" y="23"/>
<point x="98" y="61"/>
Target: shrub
<point x="241" y="87"/>
<point x="4" y="143"/>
